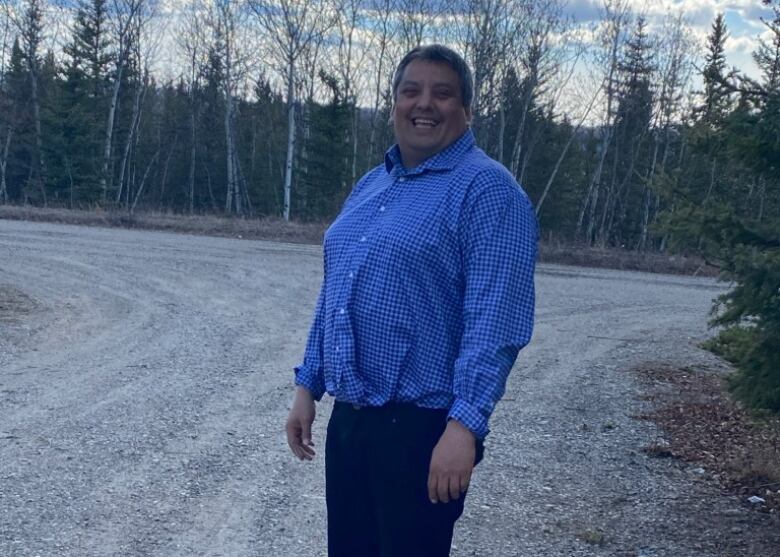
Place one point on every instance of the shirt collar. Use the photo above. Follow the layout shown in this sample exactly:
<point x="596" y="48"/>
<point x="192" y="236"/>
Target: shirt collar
<point x="445" y="159"/>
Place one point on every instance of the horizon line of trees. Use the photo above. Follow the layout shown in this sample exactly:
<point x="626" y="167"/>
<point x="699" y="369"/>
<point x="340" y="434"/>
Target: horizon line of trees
<point x="279" y="107"/>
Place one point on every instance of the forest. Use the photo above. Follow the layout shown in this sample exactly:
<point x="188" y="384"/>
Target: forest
<point x="626" y="133"/>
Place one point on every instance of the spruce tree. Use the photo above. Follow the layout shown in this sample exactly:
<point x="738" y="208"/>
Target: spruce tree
<point x="85" y="92"/>
<point x="742" y="235"/>
<point x="717" y="94"/>
<point x="629" y="157"/>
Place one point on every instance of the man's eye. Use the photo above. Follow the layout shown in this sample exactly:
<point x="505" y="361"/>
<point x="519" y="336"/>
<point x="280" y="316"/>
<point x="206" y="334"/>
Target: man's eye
<point x="409" y="92"/>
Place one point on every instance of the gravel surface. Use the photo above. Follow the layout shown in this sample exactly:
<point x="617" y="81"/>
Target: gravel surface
<point x="145" y="378"/>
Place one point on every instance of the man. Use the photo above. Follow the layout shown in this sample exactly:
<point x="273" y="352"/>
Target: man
<point x="426" y="300"/>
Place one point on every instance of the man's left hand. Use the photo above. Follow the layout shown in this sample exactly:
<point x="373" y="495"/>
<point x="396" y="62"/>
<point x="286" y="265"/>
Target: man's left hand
<point x="452" y="462"/>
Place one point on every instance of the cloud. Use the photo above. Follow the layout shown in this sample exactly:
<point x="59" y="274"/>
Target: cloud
<point x="584" y="10"/>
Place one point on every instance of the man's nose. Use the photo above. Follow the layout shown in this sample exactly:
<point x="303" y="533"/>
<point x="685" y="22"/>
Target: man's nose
<point x="424" y="99"/>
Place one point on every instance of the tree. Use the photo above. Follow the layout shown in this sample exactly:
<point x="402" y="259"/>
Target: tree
<point x="126" y="20"/>
<point x="85" y="94"/>
<point x="328" y="167"/>
<point x="616" y="18"/>
<point x="383" y="54"/>
<point x="740" y="240"/>
<point x="291" y="28"/>
<point x="6" y="107"/>
<point x="716" y="95"/>
<point x="227" y="21"/>
<point x="30" y="27"/>
<point x="629" y="155"/>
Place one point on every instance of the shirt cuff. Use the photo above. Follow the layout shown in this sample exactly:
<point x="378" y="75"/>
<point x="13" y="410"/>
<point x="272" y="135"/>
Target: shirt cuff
<point x="470" y="416"/>
<point x="306" y="377"/>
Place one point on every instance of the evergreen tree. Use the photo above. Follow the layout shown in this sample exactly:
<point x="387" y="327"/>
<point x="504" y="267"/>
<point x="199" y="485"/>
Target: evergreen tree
<point x="20" y="158"/>
<point x="737" y="234"/>
<point x="85" y="100"/>
<point x="717" y="94"/>
<point x="629" y="158"/>
<point x="324" y="187"/>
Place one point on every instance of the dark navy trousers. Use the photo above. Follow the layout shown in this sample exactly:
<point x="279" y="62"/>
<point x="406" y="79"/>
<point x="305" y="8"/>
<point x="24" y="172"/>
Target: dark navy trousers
<point x="376" y="462"/>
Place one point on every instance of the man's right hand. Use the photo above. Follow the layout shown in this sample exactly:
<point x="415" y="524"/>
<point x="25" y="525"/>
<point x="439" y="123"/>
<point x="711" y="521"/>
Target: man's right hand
<point x="299" y="424"/>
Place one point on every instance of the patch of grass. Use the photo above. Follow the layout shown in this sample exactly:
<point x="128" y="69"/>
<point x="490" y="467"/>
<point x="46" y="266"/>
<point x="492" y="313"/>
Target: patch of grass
<point x="14" y="302"/>
<point x="592" y="537"/>
<point x="658" y="450"/>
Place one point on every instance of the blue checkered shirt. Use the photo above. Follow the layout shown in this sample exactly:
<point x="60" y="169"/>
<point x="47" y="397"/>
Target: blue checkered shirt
<point x="428" y="292"/>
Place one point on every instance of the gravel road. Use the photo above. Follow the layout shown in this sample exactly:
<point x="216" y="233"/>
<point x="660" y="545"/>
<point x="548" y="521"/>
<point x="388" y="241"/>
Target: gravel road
<point x="145" y="378"/>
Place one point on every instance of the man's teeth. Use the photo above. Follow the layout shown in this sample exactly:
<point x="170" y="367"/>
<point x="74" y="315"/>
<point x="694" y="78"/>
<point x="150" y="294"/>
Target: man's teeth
<point x="423" y="122"/>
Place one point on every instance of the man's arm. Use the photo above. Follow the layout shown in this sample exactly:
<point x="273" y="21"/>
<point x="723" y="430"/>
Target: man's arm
<point x="310" y="386"/>
<point x="498" y="240"/>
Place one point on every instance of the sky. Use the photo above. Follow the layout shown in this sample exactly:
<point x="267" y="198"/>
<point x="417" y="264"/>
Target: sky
<point x="743" y="20"/>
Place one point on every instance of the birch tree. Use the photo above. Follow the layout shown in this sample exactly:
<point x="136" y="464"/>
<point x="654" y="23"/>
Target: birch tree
<point x="488" y="29"/>
<point x="192" y="43"/>
<point x="384" y="52"/>
<point x="6" y="127"/>
<point x="616" y="17"/>
<point x="230" y="43"/>
<point x="417" y="22"/>
<point x="125" y="17"/>
<point x="290" y="27"/>
<point x="673" y="73"/>
<point x="350" y="63"/>
<point x="540" y="60"/>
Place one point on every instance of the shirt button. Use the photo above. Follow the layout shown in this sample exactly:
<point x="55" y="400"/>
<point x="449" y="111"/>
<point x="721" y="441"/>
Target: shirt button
<point x="337" y="349"/>
<point x="402" y="179"/>
<point x="382" y="209"/>
<point x="341" y="311"/>
<point x="363" y="239"/>
<point x="351" y="274"/>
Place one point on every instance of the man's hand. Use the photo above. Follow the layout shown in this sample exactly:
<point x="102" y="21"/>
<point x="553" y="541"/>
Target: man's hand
<point x="452" y="462"/>
<point x="299" y="422"/>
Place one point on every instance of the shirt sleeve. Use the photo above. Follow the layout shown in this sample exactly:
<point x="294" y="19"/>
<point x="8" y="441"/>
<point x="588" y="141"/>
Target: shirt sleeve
<point x="310" y="373"/>
<point x="498" y="236"/>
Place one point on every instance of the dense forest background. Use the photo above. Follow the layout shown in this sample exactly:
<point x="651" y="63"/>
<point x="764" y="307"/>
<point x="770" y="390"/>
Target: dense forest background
<point x="622" y="134"/>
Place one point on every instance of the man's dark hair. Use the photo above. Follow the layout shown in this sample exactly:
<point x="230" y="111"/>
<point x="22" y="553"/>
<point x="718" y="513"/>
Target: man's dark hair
<point x="440" y="54"/>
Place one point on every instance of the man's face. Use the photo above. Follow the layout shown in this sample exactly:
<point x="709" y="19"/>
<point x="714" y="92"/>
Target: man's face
<point x="428" y="114"/>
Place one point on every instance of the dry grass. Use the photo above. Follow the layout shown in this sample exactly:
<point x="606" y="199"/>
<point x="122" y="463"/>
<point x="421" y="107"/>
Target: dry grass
<point x="276" y="229"/>
<point x="267" y="228"/>
<point x="703" y="425"/>
<point x="613" y="258"/>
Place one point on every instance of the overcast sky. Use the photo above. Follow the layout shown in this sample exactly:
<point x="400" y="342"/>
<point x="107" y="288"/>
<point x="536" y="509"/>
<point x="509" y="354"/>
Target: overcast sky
<point x="743" y="19"/>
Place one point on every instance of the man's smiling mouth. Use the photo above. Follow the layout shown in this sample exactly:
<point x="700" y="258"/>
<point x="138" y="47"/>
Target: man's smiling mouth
<point x="424" y="123"/>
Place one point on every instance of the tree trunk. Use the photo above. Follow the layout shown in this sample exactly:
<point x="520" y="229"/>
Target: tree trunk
<point x="232" y="200"/>
<point x="164" y="178"/>
<point x="140" y="189"/>
<point x="592" y="196"/>
<point x="646" y="202"/>
<point x="135" y="122"/>
<point x="193" y="154"/>
<point x="563" y="154"/>
<point x="38" y="132"/>
<point x="501" y="130"/>
<point x="518" y="144"/>
<point x="290" y="139"/>
<point x="4" y="165"/>
<point x="105" y="182"/>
